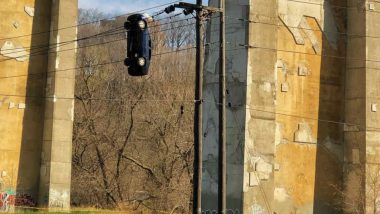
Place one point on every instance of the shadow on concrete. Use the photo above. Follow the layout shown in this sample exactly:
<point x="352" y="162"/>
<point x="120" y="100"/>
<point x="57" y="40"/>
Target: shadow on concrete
<point x="32" y="132"/>
<point x="329" y="154"/>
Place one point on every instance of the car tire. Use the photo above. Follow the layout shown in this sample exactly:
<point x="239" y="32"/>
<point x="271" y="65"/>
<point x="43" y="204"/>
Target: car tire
<point x="141" y="61"/>
<point x="127" y="62"/>
<point x="141" y="24"/>
<point x="127" y="25"/>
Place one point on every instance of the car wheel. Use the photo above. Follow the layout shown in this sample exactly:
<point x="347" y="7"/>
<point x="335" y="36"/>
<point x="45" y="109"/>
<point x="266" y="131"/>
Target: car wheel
<point x="127" y="25"/>
<point x="141" y="61"/>
<point x="127" y="62"/>
<point x="141" y="24"/>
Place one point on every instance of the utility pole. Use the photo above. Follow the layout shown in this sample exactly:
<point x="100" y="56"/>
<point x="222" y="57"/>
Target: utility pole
<point x="222" y="113"/>
<point x="198" y="137"/>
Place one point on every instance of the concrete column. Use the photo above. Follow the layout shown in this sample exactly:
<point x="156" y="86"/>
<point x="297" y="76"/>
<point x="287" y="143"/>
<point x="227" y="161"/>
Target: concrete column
<point x="355" y="98"/>
<point x="250" y="133"/>
<point x="55" y="173"/>
<point x="260" y="108"/>
<point x="362" y="134"/>
<point x="260" y="114"/>
<point x="370" y="107"/>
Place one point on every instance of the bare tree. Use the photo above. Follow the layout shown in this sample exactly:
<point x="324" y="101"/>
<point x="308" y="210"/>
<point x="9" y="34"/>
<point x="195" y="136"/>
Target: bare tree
<point x="180" y="32"/>
<point x="361" y="191"/>
<point x="132" y="143"/>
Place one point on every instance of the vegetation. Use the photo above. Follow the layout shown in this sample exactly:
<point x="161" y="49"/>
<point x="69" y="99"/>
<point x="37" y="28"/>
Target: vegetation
<point x="132" y="142"/>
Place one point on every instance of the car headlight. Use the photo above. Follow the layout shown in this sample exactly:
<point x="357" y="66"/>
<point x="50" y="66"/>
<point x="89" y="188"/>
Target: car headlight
<point x="141" y="24"/>
<point x="141" y="61"/>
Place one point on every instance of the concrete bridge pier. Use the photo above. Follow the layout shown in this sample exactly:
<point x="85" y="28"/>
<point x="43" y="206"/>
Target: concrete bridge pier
<point x="36" y="102"/>
<point x="55" y="174"/>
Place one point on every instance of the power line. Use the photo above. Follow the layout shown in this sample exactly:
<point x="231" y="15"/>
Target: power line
<point x="98" y="99"/>
<point x="280" y="50"/>
<point x="43" y="51"/>
<point x="102" y="34"/>
<point x="206" y="101"/>
<point x="315" y="54"/>
<point x="312" y="54"/>
<point x="216" y="103"/>
<point x="59" y="44"/>
<point x="105" y="33"/>
<point x="333" y="6"/>
<point x="263" y="193"/>
<point x="211" y="102"/>
<point x="273" y="49"/>
<point x="293" y="27"/>
<point x="95" y="65"/>
<point x="112" y="62"/>
<point x="302" y="117"/>
<point x="74" y="26"/>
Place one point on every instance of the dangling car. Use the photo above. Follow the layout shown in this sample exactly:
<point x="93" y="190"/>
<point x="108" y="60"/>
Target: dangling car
<point x="139" y="44"/>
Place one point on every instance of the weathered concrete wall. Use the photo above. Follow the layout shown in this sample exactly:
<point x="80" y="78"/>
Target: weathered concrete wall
<point x="250" y="133"/>
<point x="22" y="91"/>
<point x="354" y="135"/>
<point x="362" y="97"/>
<point x="293" y="111"/>
<point x="372" y="101"/>
<point x="236" y="33"/>
<point x="23" y="24"/>
<point x="311" y="141"/>
<point x="309" y="105"/>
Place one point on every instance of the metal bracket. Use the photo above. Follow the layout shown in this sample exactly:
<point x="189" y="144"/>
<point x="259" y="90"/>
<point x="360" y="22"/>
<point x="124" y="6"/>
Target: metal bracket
<point x="186" y="5"/>
<point x="189" y="6"/>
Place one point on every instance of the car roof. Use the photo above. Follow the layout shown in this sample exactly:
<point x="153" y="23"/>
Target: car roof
<point x="146" y="16"/>
<point x="139" y="16"/>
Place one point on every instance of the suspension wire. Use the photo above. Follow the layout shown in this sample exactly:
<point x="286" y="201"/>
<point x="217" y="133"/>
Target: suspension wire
<point x="274" y="112"/>
<point x="306" y="53"/>
<point x="43" y="52"/>
<point x="95" y="65"/>
<point x="112" y="62"/>
<point x="292" y="27"/>
<point x="102" y="34"/>
<point x="333" y="6"/>
<point x="367" y="128"/>
<point x="91" y="22"/>
<point x="213" y="102"/>
<point x="301" y="117"/>
<point x="105" y="33"/>
<point x="30" y="48"/>
<point x="288" y="51"/>
<point x="87" y="66"/>
<point x="328" y="121"/>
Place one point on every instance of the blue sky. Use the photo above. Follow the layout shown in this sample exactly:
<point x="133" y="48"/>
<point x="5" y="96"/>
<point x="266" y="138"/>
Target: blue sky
<point x="122" y="6"/>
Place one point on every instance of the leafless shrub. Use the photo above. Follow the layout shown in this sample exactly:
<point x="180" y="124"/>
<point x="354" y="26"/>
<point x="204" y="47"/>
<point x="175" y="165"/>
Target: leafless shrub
<point x="132" y="143"/>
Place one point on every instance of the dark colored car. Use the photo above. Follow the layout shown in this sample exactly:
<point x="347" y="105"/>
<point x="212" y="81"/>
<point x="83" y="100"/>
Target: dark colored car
<point x="139" y="45"/>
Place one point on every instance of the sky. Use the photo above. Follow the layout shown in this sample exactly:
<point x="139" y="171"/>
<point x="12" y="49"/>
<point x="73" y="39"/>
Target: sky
<point x="122" y="6"/>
